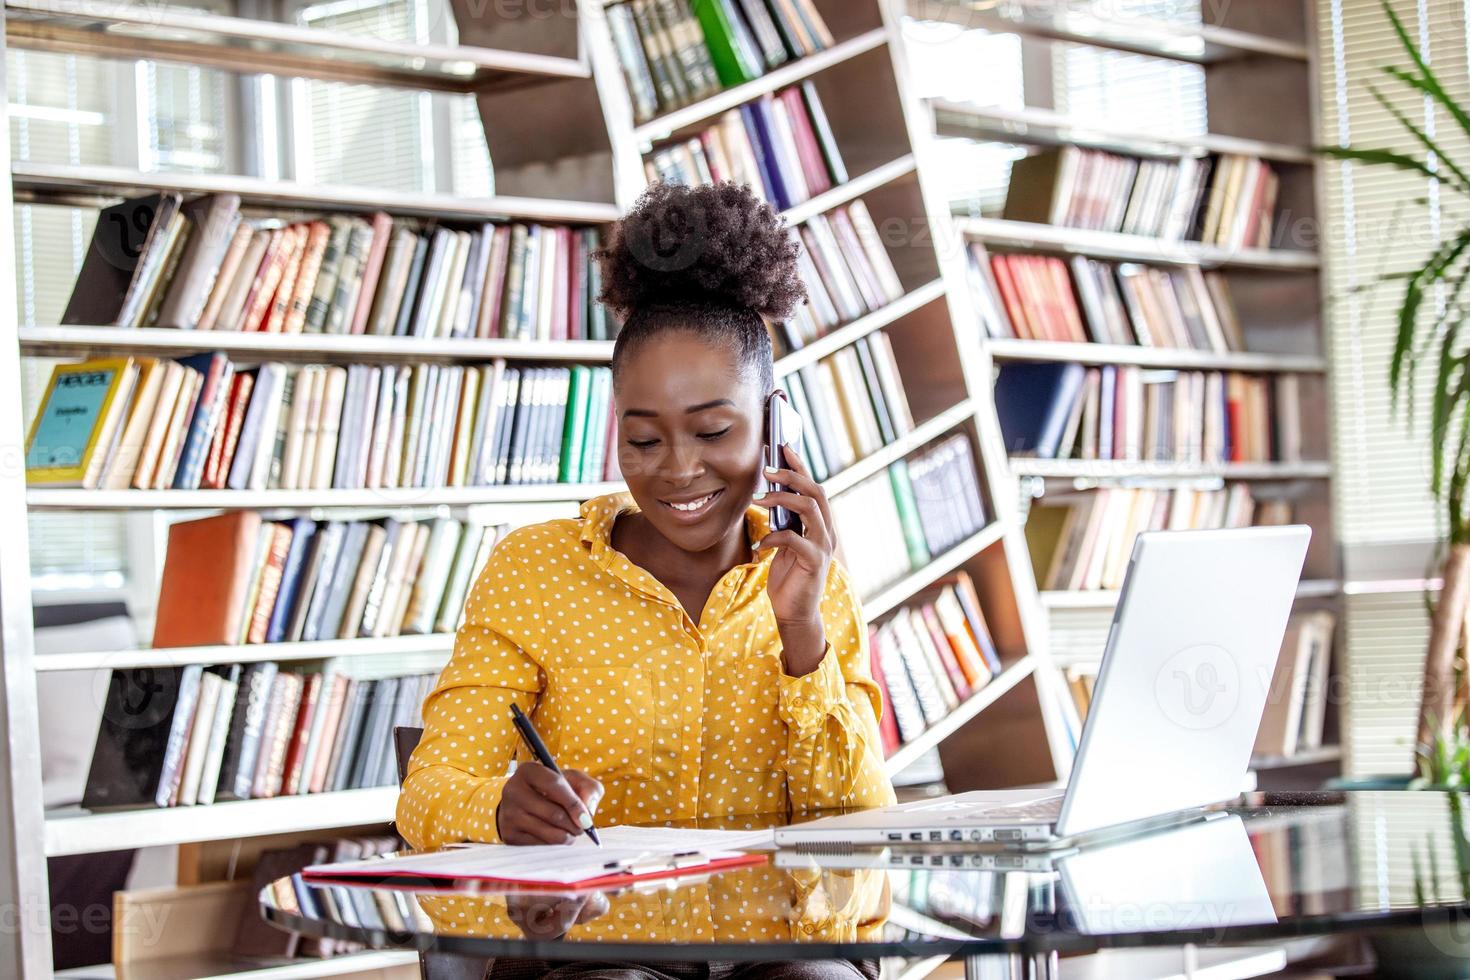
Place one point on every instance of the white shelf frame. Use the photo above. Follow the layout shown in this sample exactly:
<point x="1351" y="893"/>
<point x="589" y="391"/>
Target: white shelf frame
<point x="304" y="650"/>
<point x="79" y="341"/>
<point x="1132" y="248"/>
<point x="1031" y="126"/>
<point x="674" y="122"/>
<point x="1108" y="598"/>
<point x="84" y="833"/>
<point x="892" y="596"/>
<point x="1006" y="349"/>
<point x="851" y="190"/>
<point x="42" y="181"/>
<point x="387" y="498"/>
<point x="75" y="341"/>
<point x="1197" y="44"/>
<point x="180" y="36"/>
<point x="1112" y="469"/>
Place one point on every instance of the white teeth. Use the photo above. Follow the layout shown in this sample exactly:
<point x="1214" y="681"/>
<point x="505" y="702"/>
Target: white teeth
<point x="693" y="504"/>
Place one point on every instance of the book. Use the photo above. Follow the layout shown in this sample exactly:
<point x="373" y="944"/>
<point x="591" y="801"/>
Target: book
<point x="206" y="574"/>
<point x="214" y="218"/>
<point x="1032" y="401"/>
<point x="80" y="415"/>
<point x="140" y="736"/>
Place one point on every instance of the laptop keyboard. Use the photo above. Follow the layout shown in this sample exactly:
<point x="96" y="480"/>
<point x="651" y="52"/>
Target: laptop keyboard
<point x="1044" y="808"/>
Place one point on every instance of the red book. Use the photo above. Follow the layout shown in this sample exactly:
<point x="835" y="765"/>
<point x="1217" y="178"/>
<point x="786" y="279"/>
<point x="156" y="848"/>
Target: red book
<point x="263" y="289"/>
<point x="1011" y="297"/>
<point x="296" y="753"/>
<point x="808" y="151"/>
<point x="560" y="299"/>
<point x="270" y="582"/>
<point x="1234" y="418"/>
<point x="274" y="318"/>
<point x="227" y="436"/>
<point x="927" y="621"/>
<point x="382" y="229"/>
<point x="887" y="724"/>
<point x="1067" y="300"/>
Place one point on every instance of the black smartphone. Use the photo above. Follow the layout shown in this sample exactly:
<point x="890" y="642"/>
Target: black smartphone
<point x="783" y="427"/>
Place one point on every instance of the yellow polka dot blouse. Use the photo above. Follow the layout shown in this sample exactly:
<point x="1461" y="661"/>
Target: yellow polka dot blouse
<point x="678" y="719"/>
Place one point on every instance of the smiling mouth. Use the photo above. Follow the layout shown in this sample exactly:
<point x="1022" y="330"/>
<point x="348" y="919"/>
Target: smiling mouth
<point x="693" y="508"/>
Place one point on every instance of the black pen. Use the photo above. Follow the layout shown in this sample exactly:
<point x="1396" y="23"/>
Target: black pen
<point x="538" y="749"/>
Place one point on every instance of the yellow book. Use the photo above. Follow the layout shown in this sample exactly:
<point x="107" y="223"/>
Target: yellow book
<point x="80" y="416"/>
<point x="118" y="471"/>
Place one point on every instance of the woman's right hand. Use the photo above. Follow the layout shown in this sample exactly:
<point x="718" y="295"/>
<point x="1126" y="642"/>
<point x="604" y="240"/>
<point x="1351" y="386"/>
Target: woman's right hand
<point x="537" y="806"/>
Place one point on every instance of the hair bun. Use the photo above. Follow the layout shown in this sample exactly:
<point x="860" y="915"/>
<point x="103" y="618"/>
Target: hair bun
<point x="704" y="245"/>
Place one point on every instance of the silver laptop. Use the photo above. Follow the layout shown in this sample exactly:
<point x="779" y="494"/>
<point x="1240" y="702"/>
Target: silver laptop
<point x="1179" y="696"/>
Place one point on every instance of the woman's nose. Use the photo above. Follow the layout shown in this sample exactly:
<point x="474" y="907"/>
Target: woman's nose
<point x="683" y="462"/>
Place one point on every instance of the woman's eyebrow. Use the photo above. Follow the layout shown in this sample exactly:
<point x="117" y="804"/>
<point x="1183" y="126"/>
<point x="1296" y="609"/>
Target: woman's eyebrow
<point x="702" y="406"/>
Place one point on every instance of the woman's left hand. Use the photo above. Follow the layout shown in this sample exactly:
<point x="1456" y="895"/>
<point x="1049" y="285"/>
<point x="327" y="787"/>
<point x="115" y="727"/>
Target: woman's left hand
<point x="798" y="573"/>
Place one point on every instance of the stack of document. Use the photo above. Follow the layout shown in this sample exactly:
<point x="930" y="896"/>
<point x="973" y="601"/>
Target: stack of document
<point x="628" y="854"/>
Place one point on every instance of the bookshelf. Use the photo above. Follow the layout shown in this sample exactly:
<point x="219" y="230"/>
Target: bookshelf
<point x="571" y="153"/>
<point x="883" y="137"/>
<point x="1251" y="53"/>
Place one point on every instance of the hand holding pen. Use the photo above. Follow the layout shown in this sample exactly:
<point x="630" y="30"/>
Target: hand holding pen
<point x="542" y="803"/>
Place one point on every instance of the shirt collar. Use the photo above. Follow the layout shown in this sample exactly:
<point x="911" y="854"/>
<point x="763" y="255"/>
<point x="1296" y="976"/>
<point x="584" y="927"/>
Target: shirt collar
<point x="599" y="514"/>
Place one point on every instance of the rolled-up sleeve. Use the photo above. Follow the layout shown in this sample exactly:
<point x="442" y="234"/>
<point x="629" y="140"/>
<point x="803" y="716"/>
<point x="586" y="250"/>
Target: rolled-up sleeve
<point x="459" y="768"/>
<point x="834" y="756"/>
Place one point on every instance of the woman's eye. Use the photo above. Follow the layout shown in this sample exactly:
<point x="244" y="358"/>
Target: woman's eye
<point x="642" y="443"/>
<point x="715" y="435"/>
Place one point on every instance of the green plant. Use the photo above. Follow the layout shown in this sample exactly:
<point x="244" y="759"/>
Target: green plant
<point x="1444" y="763"/>
<point x="1431" y="334"/>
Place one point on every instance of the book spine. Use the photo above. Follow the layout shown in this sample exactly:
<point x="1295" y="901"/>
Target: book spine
<point x="178" y="735"/>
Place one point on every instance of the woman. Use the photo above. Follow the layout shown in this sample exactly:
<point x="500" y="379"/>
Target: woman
<point x="679" y="660"/>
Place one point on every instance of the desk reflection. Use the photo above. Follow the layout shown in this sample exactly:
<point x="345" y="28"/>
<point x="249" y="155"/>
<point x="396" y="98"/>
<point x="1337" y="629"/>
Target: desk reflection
<point x="761" y="906"/>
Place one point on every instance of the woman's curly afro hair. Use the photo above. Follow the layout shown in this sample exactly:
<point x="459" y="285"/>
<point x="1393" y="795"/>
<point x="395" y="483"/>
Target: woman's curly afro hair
<point x="713" y="260"/>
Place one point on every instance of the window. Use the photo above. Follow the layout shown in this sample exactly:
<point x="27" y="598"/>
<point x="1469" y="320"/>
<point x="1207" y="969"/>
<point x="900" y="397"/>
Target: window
<point x="383" y="137"/>
<point x="149" y="116"/>
<point x="1376" y="222"/>
<point x="949" y="61"/>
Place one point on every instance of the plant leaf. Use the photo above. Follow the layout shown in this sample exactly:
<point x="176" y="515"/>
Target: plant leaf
<point x="1387" y="158"/>
<point x="1428" y="81"/>
<point x="1461" y="182"/>
<point x="1430" y="272"/>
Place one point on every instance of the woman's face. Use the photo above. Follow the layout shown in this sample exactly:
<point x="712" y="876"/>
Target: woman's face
<point x="690" y="430"/>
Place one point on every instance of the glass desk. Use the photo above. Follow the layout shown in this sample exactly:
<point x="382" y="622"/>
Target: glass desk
<point x="1266" y="867"/>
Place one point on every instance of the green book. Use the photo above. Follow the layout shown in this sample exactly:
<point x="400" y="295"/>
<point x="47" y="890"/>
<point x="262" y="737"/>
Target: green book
<point x="908" y="514"/>
<point x="574" y="434"/>
<point x="595" y="447"/>
<point x="724" y="47"/>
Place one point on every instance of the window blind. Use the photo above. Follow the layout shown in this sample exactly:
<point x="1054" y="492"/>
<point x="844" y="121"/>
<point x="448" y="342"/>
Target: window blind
<point x="949" y="61"/>
<point x="362" y="134"/>
<point x="1132" y="91"/>
<point x="1378" y="221"/>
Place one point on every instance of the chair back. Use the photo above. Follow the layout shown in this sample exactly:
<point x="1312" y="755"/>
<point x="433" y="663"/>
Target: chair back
<point x="405" y="740"/>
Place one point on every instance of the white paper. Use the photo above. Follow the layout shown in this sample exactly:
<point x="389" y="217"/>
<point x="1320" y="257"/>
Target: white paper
<point x="624" y="850"/>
